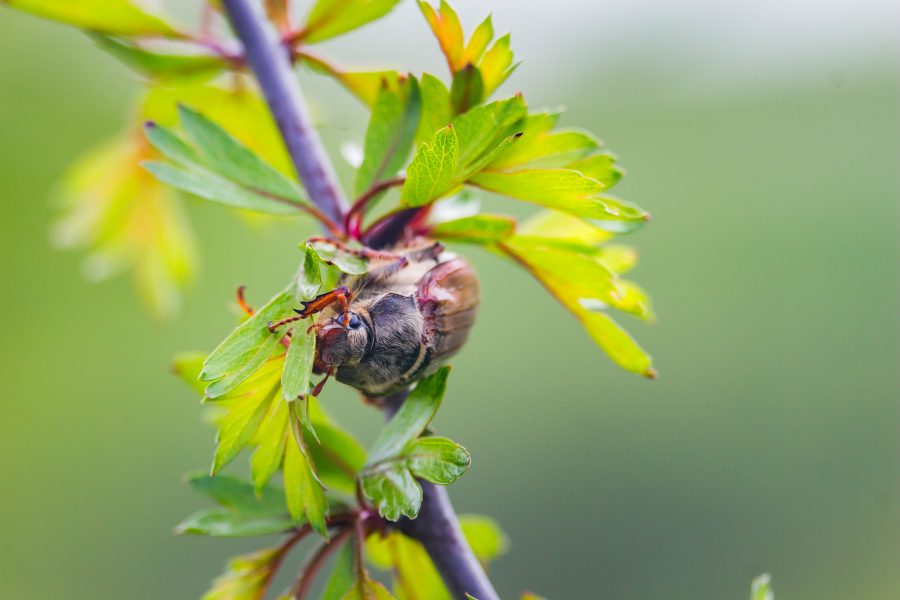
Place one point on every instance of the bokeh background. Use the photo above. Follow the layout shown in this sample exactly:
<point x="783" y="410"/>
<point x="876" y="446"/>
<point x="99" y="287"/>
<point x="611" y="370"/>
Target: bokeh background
<point x="762" y="135"/>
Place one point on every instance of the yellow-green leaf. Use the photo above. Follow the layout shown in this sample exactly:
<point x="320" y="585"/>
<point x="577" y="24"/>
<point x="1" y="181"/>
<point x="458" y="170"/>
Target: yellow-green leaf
<point x="430" y="175"/>
<point x="331" y="18"/>
<point x="303" y="493"/>
<point x="115" y="17"/>
<point x="477" y="229"/>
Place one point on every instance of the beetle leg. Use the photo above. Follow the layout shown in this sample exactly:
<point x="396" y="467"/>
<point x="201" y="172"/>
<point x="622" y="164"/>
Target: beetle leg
<point x="285" y="321"/>
<point x="367" y="253"/>
<point x="340" y="295"/>
<point x="242" y="302"/>
<point x="318" y="389"/>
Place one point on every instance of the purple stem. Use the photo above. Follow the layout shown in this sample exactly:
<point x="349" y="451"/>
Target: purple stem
<point x="436" y="527"/>
<point x="271" y="64"/>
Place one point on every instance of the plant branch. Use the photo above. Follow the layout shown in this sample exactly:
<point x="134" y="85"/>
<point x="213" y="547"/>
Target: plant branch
<point x="271" y="64"/>
<point x="438" y="530"/>
<point x="436" y="527"/>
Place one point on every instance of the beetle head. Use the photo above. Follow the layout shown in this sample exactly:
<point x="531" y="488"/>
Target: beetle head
<point x="338" y="346"/>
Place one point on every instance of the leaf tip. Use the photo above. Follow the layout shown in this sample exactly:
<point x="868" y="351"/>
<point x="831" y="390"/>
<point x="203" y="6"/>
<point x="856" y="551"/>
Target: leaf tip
<point x="646" y="217"/>
<point x="651" y="373"/>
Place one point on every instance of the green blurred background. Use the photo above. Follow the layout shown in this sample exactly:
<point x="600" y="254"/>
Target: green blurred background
<point x="763" y="137"/>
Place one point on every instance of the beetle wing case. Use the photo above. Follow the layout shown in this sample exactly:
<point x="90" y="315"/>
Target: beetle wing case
<point x="421" y="315"/>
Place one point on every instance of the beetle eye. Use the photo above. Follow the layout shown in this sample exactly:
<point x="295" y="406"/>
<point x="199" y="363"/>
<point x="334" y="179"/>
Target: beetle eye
<point x="355" y="321"/>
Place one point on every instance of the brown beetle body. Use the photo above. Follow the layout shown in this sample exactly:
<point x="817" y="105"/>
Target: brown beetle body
<point x="406" y="317"/>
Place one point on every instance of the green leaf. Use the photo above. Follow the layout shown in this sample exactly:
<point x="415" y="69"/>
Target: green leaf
<point x="209" y="186"/>
<point x="246" y="348"/>
<point x="496" y="65"/>
<point x="582" y="283"/>
<point x="601" y="167"/>
<point x="246" y="577"/>
<point x="114" y="17"/>
<point x="303" y="493"/>
<point x="343" y="574"/>
<point x="252" y="400"/>
<point x="338" y="456"/>
<point x="430" y="175"/>
<point x="170" y="145"/>
<point x="330" y="18"/>
<point x="762" y="588"/>
<point x="229" y="158"/>
<point x="333" y="254"/>
<point x="483" y="128"/>
<point x="242" y="511"/>
<point x="562" y="189"/>
<point x="106" y="199"/>
<point x="435" y="111"/>
<point x="187" y="366"/>
<point x="412" y="418"/>
<point x="479" y="229"/>
<point x="161" y="66"/>
<point x="547" y="149"/>
<point x="309" y="278"/>
<point x="437" y="460"/>
<point x="299" y="362"/>
<point x="478" y="43"/>
<point x="394" y="491"/>
<point x="485" y="537"/>
<point x="365" y="85"/>
<point x="271" y="437"/>
<point x="390" y="135"/>
<point x="466" y="89"/>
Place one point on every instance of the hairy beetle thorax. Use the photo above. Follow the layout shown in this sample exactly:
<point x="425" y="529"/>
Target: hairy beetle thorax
<point x="410" y="316"/>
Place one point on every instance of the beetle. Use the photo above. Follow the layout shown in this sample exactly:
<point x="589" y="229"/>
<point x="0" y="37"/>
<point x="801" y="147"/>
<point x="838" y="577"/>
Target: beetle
<point x="383" y="330"/>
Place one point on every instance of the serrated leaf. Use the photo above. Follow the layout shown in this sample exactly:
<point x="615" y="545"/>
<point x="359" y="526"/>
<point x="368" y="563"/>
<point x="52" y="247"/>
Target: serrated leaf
<point x="303" y="493"/>
<point x="333" y="254"/>
<point x="162" y="66"/>
<point x="209" y="186"/>
<point x="114" y="17"/>
<point x="271" y="437"/>
<point x="554" y="226"/>
<point x="394" y="491"/>
<point x="390" y="134"/>
<point x="430" y="175"/>
<point x="242" y="511"/>
<point x="762" y="588"/>
<point x="564" y="190"/>
<point x="413" y="417"/>
<point x="483" y="128"/>
<point x="601" y="167"/>
<point x="299" y="362"/>
<point x="547" y="149"/>
<point x="246" y="348"/>
<point x="437" y="460"/>
<point x="331" y="18"/>
<point x="578" y="281"/>
<point x="229" y="158"/>
<point x="478" y="229"/>
<point x="243" y="418"/>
